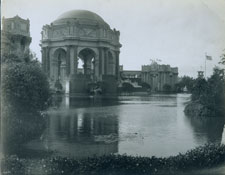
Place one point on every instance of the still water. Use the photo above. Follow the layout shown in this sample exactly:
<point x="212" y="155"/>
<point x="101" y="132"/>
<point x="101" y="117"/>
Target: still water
<point x="152" y="125"/>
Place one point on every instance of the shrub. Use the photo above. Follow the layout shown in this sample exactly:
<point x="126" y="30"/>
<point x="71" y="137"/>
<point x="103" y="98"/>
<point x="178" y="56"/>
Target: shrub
<point x="25" y="93"/>
<point x="24" y="86"/>
<point x="201" y="157"/>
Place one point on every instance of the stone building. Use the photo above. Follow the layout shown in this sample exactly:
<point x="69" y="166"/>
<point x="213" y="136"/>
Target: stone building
<point x="15" y="36"/>
<point x="159" y="77"/>
<point x="80" y="36"/>
<point x="155" y="75"/>
<point x="131" y="74"/>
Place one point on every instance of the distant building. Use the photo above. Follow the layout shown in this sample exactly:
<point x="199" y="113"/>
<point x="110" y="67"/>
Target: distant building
<point x="15" y="36"/>
<point x="131" y="74"/>
<point x="160" y="77"/>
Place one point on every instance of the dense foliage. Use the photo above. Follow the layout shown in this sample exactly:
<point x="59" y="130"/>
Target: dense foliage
<point x="201" y="157"/>
<point x="25" y="93"/>
<point x="24" y="86"/>
<point x="208" y="96"/>
<point x="185" y="81"/>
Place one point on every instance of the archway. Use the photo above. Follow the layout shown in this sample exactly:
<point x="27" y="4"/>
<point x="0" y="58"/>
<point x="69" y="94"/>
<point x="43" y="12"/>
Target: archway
<point x="60" y="71"/>
<point x="87" y="56"/>
<point x="60" y="66"/>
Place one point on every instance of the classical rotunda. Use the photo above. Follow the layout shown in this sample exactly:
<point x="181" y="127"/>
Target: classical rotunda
<point x="80" y="48"/>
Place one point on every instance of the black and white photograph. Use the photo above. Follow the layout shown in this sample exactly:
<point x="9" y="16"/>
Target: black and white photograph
<point x="112" y="87"/>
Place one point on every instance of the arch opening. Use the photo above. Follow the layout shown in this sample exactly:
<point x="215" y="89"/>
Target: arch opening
<point x="86" y="61"/>
<point x="60" y="66"/>
<point x="59" y="71"/>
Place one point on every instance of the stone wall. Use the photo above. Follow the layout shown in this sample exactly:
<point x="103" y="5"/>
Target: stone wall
<point x="110" y="83"/>
<point x="79" y="83"/>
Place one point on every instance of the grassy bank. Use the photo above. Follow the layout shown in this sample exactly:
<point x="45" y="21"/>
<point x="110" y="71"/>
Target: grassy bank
<point x="202" y="157"/>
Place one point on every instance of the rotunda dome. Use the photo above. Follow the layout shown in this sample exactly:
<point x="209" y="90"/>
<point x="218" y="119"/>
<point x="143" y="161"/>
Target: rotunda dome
<point x="82" y="16"/>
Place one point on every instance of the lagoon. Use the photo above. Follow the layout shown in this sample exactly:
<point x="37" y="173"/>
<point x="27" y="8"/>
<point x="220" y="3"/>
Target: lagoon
<point x="151" y="125"/>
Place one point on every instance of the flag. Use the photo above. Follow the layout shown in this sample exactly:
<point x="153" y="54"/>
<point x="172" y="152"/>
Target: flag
<point x="208" y="57"/>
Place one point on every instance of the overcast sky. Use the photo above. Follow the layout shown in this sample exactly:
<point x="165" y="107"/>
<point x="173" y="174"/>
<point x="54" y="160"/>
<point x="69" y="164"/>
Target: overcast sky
<point x="179" y="32"/>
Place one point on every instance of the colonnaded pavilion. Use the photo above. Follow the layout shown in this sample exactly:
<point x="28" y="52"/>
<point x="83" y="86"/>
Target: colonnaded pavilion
<point x="79" y="48"/>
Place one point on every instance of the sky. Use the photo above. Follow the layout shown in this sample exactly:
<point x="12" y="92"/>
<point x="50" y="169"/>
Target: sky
<point x="178" y="32"/>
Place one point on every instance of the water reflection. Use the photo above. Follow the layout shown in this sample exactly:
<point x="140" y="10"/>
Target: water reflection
<point x="19" y="128"/>
<point x="135" y="125"/>
<point x="207" y="130"/>
<point x="80" y="134"/>
<point x="60" y="101"/>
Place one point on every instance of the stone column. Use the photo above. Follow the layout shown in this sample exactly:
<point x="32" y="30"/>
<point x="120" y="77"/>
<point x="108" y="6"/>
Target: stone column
<point x="85" y="67"/>
<point x="117" y="65"/>
<point x="97" y="66"/>
<point x="88" y="63"/>
<point x="75" y="59"/>
<point x="71" y="61"/>
<point x="105" y="61"/>
<point x="100" y="61"/>
<point x="68" y="60"/>
<point x="47" y="56"/>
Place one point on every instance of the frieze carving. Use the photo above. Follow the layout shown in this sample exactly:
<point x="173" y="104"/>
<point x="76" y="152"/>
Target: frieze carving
<point x="60" y="32"/>
<point x="86" y="32"/>
<point x="81" y="31"/>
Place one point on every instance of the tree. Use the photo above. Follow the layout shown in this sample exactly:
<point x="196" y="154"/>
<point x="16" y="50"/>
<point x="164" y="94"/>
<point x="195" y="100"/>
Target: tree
<point x="199" y="89"/>
<point x="215" y="96"/>
<point x="24" y="85"/>
<point x="222" y="61"/>
<point x="185" y="81"/>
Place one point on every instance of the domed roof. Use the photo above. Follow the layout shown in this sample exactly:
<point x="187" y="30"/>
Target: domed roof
<point x="81" y="15"/>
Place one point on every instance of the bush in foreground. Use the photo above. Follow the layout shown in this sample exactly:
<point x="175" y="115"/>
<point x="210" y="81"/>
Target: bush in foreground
<point x="25" y="93"/>
<point x="24" y="86"/>
<point x="201" y="157"/>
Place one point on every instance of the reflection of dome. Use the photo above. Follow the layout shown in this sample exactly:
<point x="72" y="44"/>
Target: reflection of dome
<point x="81" y="16"/>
